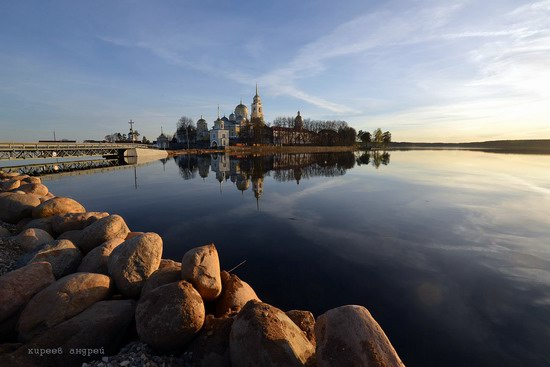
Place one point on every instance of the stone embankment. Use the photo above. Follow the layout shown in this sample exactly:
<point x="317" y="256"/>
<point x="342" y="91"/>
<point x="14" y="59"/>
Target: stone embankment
<point x="77" y="286"/>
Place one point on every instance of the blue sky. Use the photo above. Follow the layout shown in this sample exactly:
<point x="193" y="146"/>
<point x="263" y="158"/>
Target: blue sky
<point x="425" y="70"/>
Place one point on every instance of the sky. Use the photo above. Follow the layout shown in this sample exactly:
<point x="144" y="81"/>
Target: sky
<point x="426" y="70"/>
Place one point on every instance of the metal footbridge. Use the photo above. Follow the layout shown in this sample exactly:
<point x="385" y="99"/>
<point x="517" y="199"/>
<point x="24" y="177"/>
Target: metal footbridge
<point x="12" y="151"/>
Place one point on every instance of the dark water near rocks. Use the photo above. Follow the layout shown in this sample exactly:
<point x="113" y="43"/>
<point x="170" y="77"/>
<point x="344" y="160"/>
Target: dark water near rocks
<point x="449" y="250"/>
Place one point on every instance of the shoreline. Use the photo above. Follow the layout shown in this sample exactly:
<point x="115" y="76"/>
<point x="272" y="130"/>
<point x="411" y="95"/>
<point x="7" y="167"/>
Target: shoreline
<point x="234" y="150"/>
<point x="88" y="290"/>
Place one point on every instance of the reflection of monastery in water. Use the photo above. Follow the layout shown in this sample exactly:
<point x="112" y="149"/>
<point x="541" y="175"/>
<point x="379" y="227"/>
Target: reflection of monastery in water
<point x="247" y="174"/>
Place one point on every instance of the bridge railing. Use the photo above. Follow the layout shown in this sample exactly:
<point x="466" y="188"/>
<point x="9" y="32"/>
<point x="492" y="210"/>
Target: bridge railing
<point x="57" y="146"/>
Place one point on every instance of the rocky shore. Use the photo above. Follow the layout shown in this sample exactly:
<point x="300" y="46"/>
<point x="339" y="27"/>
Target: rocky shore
<point x="80" y="288"/>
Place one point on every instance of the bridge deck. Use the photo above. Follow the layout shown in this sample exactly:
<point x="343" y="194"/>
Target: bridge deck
<point x="13" y="151"/>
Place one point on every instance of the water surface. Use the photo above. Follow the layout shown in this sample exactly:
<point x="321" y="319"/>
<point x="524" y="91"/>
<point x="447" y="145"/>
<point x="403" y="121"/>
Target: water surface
<point x="449" y="250"/>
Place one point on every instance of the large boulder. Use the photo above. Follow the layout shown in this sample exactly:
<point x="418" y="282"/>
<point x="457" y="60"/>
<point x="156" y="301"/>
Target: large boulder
<point x="74" y="221"/>
<point x="56" y="206"/>
<point x="32" y="238"/>
<point x="235" y="294"/>
<point x="305" y="321"/>
<point x="164" y="263"/>
<point x="14" y="207"/>
<point x="201" y="267"/>
<point x="19" y="286"/>
<point x="63" y="255"/>
<point x="211" y="346"/>
<point x="168" y="317"/>
<point x="47" y="197"/>
<point x="20" y="177"/>
<point x="133" y="261"/>
<point x="44" y="224"/>
<point x="349" y="336"/>
<point x="33" y="180"/>
<point x="96" y="261"/>
<point x="11" y="185"/>
<point x="72" y="236"/>
<point x="263" y="335"/>
<point x="62" y="300"/>
<point x="161" y="277"/>
<point x="94" y="333"/>
<point x="131" y="235"/>
<point x="101" y="231"/>
<point x="34" y="188"/>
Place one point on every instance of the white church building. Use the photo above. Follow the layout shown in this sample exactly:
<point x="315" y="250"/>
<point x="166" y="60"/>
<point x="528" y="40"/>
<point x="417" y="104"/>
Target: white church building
<point x="226" y="129"/>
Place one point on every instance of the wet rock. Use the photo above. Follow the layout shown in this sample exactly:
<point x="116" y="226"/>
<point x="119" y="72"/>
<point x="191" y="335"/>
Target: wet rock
<point x="349" y="336"/>
<point x="44" y="224"/>
<point x="101" y="231"/>
<point x="235" y="294"/>
<point x="32" y="238"/>
<point x="305" y="321"/>
<point x="211" y="346"/>
<point x="161" y="277"/>
<point x="96" y="261"/>
<point x="63" y="255"/>
<point x="56" y="206"/>
<point x="201" y="267"/>
<point x="14" y="207"/>
<point x="263" y="335"/>
<point x="92" y="334"/>
<point x="169" y="316"/>
<point x="133" y="261"/>
<point x="62" y="300"/>
<point x="75" y="221"/>
<point x="19" y="286"/>
<point x="34" y="188"/>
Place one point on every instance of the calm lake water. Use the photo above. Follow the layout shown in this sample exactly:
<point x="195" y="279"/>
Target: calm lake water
<point x="449" y="250"/>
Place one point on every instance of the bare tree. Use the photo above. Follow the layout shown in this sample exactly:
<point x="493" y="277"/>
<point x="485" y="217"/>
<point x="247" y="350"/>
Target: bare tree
<point x="186" y="130"/>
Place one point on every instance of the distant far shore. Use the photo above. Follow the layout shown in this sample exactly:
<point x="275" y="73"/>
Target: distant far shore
<point x="534" y="146"/>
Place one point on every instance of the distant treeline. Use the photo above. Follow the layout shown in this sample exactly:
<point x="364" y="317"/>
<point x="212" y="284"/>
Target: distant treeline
<point x="535" y="144"/>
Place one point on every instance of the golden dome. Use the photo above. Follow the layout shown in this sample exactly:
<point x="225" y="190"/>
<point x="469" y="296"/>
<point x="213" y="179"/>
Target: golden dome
<point x="241" y="110"/>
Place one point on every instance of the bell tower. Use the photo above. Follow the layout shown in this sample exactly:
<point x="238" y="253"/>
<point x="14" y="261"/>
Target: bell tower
<point x="256" y="107"/>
